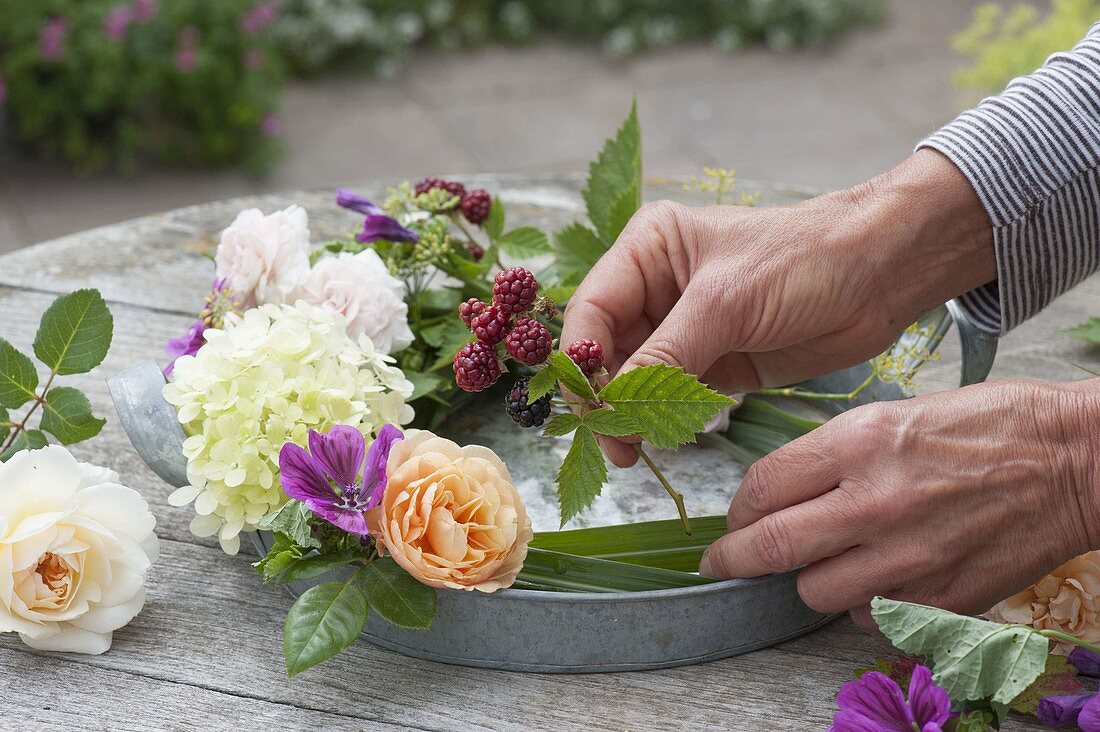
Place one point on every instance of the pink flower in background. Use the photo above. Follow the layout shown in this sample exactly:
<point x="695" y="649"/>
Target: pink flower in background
<point x="118" y="22"/>
<point x="144" y="10"/>
<point x="3" y="90"/>
<point x="271" y="126"/>
<point x="258" y="18"/>
<point x="254" y="59"/>
<point x="51" y="40"/>
<point x="186" y="57"/>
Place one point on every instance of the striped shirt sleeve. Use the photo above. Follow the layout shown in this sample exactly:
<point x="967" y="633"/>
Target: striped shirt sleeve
<point x="1032" y="154"/>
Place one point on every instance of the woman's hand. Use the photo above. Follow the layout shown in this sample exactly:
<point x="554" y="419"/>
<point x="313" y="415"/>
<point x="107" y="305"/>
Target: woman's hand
<point x="751" y="297"/>
<point x="957" y="499"/>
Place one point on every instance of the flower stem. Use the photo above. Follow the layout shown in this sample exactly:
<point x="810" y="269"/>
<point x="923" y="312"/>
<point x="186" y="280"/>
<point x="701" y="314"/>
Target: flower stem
<point x="1056" y="635"/>
<point x="794" y="391"/>
<point x="676" y="497"/>
<point x="39" y="400"/>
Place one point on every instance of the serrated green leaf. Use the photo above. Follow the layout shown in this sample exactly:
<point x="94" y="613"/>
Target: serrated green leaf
<point x="541" y="384"/>
<point x="423" y="383"/>
<point x="315" y="565"/>
<point x="524" y="243"/>
<point x="451" y="338"/>
<point x="577" y="249"/>
<point x="670" y="406"/>
<point x="562" y="424"/>
<point x="617" y="169"/>
<point x="581" y="476"/>
<point x="282" y="554"/>
<point x="622" y="209"/>
<point x="1087" y="331"/>
<point x="570" y="375"/>
<point x="18" y="379"/>
<point x="25" y="440"/>
<point x="971" y="658"/>
<point x="494" y="225"/>
<point x="75" y="333"/>
<point x="67" y="415"/>
<point x="325" y="620"/>
<point x="396" y="596"/>
<point x="610" y="422"/>
<point x="292" y="519"/>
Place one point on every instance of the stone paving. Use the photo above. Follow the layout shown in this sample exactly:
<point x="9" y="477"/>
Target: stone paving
<point x="823" y="119"/>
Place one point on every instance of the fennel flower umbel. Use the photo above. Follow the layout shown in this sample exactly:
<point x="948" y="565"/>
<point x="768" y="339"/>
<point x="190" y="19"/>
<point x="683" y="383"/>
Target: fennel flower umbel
<point x="282" y="371"/>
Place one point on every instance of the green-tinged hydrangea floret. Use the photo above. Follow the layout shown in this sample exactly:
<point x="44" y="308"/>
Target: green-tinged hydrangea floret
<point x="269" y="378"/>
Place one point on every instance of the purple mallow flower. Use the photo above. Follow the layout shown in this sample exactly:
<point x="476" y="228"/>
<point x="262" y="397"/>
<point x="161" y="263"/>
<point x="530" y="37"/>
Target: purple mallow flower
<point x="377" y="224"/>
<point x="1069" y="709"/>
<point x="258" y="18"/>
<point x="187" y="344"/>
<point x="118" y="22"/>
<point x="875" y="702"/>
<point x="51" y="40"/>
<point x="333" y="479"/>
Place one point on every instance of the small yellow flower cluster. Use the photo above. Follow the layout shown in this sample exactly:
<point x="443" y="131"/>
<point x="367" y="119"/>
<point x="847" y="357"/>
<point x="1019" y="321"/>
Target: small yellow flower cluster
<point x="280" y="372"/>
<point x="899" y="364"/>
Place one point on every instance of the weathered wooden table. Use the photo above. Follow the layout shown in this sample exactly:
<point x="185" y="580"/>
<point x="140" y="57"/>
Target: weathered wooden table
<point x="206" y="651"/>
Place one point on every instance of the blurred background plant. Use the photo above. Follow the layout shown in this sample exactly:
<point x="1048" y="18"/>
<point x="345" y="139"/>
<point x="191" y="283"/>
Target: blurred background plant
<point x="105" y="83"/>
<point x="1003" y="44"/>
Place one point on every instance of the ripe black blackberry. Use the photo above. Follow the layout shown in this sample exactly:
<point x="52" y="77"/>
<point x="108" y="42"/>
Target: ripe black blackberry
<point x="522" y="413"/>
<point x="427" y="184"/>
<point x="515" y="289"/>
<point x="475" y="205"/>
<point x="476" y="367"/>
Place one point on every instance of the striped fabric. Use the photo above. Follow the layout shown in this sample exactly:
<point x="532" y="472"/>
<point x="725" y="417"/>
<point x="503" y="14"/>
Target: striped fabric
<point x="1032" y="154"/>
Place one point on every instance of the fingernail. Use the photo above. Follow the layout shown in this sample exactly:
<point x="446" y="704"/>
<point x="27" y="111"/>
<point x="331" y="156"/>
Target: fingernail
<point x="704" y="564"/>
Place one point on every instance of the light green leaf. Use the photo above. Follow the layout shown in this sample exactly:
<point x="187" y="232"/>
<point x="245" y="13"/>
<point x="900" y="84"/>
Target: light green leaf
<point x="617" y="169"/>
<point x="977" y="720"/>
<point x="624" y="207"/>
<point x="670" y="406"/>
<point x="1087" y="331"/>
<point x="581" y="476"/>
<point x="396" y="596"/>
<point x="75" y="333"/>
<point x="325" y="620"/>
<point x="494" y="225"/>
<point x="25" y="440"/>
<point x="282" y="554"/>
<point x="577" y="249"/>
<point x="1058" y="678"/>
<point x="610" y="422"/>
<point x="18" y="379"/>
<point x="424" y="383"/>
<point x="315" y="565"/>
<point x="5" y="425"/>
<point x="560" y="294"/>
<point x="541" y="384"/>
<point x="68" y="416"/>
<point x="292" y="519"/>
<point x="971" y="658"/>
<point x="570" y="375"/>
<point x="442" y="298"/>
<point x="562" y="424"/>
<point x="524" y="242"/>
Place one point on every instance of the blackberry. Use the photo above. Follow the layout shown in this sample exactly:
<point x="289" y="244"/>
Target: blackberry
<point x="476" y="367"/>
<point x="522" y="413"/>
<point x="475" y="251"/>
<point x="529" y="341"/>
<point x="469" y="309"/>
<point x="426" y="184"/>
<point x="515" y="289"/>
<point x="491" y="324"/>
<point x="587" y="354"/>
<point x="475" y="205"/>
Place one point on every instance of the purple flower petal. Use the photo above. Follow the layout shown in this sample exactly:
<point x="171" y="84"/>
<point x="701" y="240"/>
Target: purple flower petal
<point x="374" y="480"/>
<point x="929" y="703"/>
<point x="1061" y="711"/>
<point x="354" y="202"/>
<point x="1089" y="719"/>
<point x="304" y="480"/>
<point x="352" y="522"/>
<point x="187" y="344"/>
<point x="1087" y="662"/>
<point x="378" y="227"/>
<point x="339" y="453"/>
<point x="876" y="698"/>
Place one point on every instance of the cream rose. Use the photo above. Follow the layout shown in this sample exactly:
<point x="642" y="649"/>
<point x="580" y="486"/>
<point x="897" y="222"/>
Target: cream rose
<point x="450" y="515"/>
<point x="1066" y="600"/>
<point x="264" y="259"/>
<point x="75" y="547"/>
<point x="361" y="288"/>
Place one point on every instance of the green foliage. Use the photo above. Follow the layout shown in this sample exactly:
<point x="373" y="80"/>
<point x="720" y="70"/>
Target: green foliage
<point x="1059" y="678"/>
<point x="292" y="519"/>
<point x="660" y="544"/>
<point x="609" y="422"/>
<point x="494" y="225"/>
<point x="396" y="596"/>
<point x="568" y="373"/>
<point x="325" y="620"/>
<point x="561" y="424"/>
<point x="1087" y="331"/>
<point x="75" y="333"/>
<point x="972" y="659"/>
<point x="558" y="571"/>
<point x="5" y="424"/>
<point x="1004" y="44"/>
<point x="186" y="86"/>
<point x="577" y="249"/>
<point x="18" y="379"/>
<point x="582" y="474"/>
<point x="280" y="557"/>
<point x="524" y="243"/>
<point x="23" y="440"/>
<point x="670" y="406"/>
<point x="614" y="190"/>
<point x="67" y="415"/>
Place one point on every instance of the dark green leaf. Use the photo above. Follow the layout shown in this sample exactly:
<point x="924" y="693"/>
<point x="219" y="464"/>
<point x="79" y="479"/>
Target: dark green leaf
<point x="316" y="565"/>
<point x="443" y="298"/>
<point x="67" y="415"/>
<point x="18" y="379"/>
<point x="1087" y="331"/>
<point x="396" y="596"/>
<point x="25" y="440"/>
<point x="570" y="375"/>
<point x="5" y="425"/>
<point x="577" y="249"/>
<point x="524" y="243"/>
<point x="617" y="169"/>
<point x="670" y="406"/>
<point x="75" y="333"/>
<point x="325" y="620"/>
<point x="292" y="519"/>
<point x="541" y="384"/>
<point x="609" y="422"/>
<point x="581" y="476"/>
<point x="494" y="225"/>
<point x="424" y="383"/>
<point x="282" y="554"/>
<point x="453" y="337"/>
<point x="649" y="543"/>
<point x="562" y="424"/>
<point x="554" y="570"/>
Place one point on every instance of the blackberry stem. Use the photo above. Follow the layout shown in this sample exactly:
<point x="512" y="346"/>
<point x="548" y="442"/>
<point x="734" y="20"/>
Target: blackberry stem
<point x="676" y="497"/>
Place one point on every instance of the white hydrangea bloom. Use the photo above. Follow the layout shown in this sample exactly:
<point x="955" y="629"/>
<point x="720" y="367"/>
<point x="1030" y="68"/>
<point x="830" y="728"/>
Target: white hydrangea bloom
<point x="279" y="372"/>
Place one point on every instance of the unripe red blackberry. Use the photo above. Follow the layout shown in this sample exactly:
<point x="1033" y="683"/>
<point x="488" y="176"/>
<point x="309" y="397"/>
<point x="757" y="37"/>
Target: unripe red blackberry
<point x="475" y="205"/>
<point x="587" y="354"/>
<point x="475" y="251"/>
<point x="469" y="309"/>
<point x="427" y="184"/>
<point x="515" y="289"/>
<point x="529" y="341"/>
<point x="476" y="367"/>
<point x="522" y="413"/>
<point x="491" y="324"/>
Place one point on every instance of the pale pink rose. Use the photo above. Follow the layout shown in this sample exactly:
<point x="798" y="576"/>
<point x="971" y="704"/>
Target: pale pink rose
<point x="450" y="515"/>
<point x="1066" y="600"/>
<point x="361" y="288"/>
<point x="264" y="259"/>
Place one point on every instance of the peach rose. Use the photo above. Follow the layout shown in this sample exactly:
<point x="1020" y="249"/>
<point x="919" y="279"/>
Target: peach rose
<point x="1066" y="600"/>
<point x="450" y="515"/>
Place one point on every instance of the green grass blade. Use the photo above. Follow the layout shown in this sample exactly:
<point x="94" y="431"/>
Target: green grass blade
<point x="586" y="574"/>
<point x="662" y="544"/>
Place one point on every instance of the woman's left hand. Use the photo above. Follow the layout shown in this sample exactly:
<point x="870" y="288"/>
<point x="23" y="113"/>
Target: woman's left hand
<point x="957" y="499"/>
